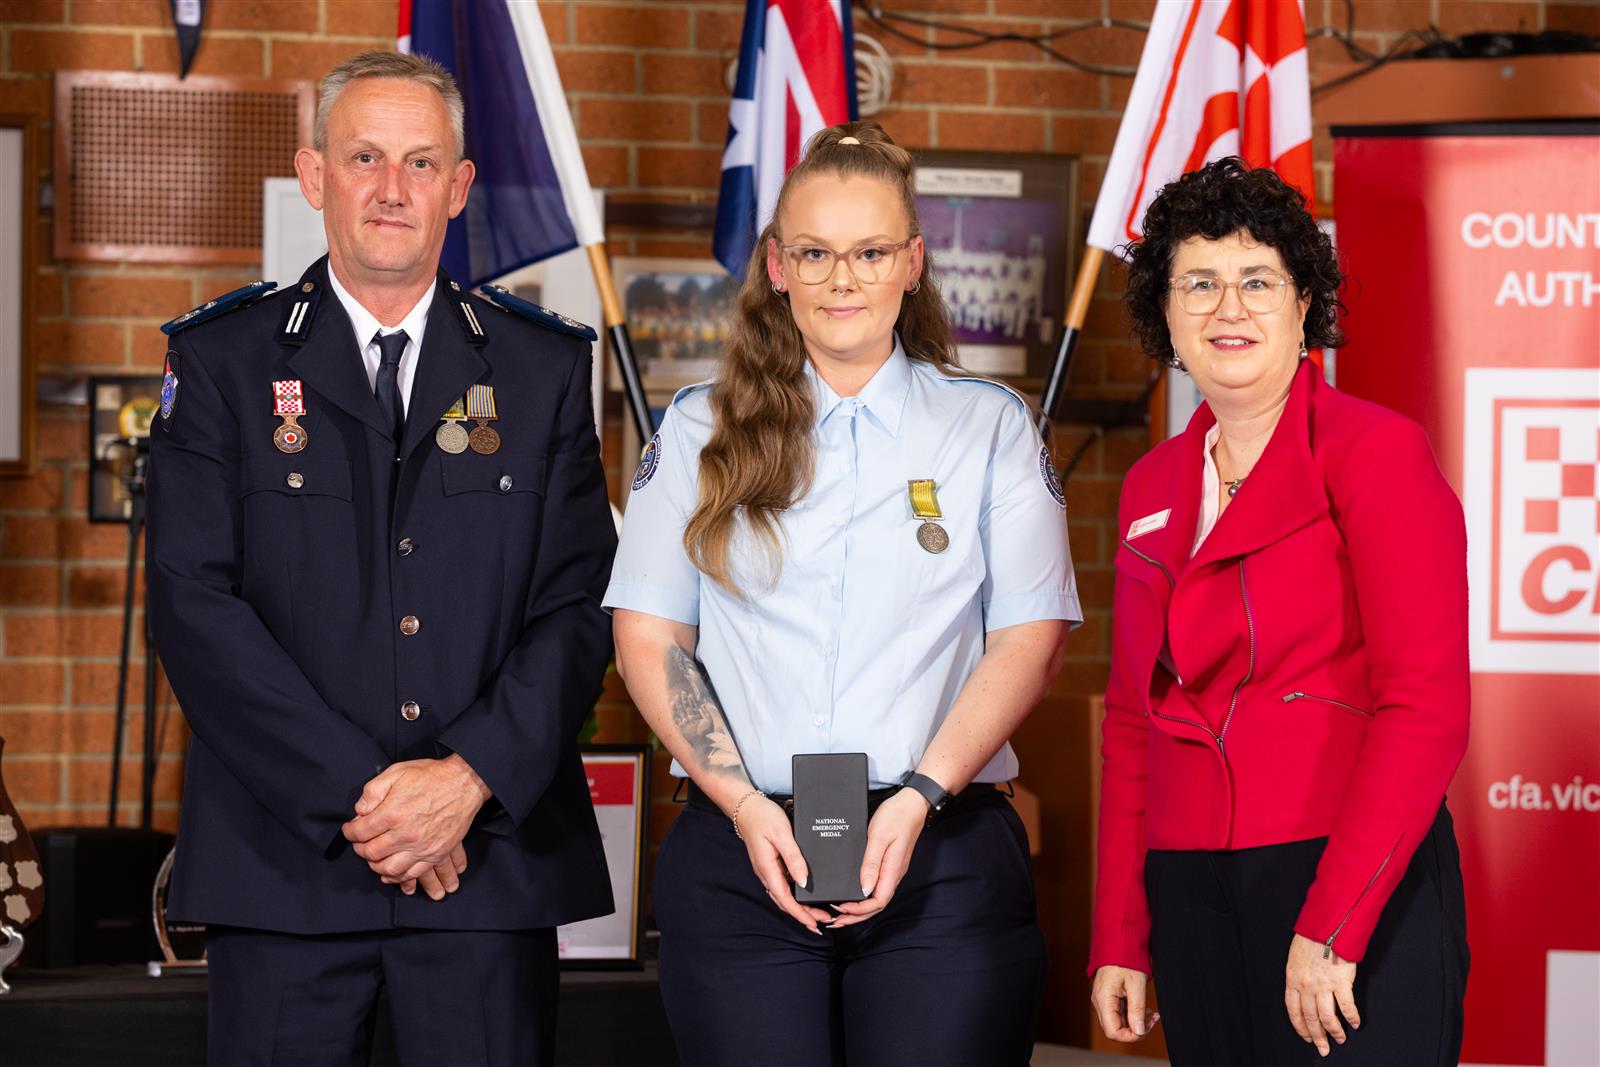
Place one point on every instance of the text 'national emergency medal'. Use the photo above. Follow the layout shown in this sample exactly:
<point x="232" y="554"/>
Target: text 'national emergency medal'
<point x="925" y="506"/>
<point x="480" y="409"/>
<point x="452" y="436"/>
<point x="288" y="402"/>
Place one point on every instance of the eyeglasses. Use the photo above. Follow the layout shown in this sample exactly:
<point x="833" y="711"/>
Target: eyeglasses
<point x="869" y="263"/>
<point x="1201" y="294"/>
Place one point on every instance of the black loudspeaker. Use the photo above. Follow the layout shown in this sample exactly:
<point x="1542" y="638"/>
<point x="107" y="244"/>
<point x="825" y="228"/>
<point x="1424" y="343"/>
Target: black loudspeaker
<point x="97" y="884"/>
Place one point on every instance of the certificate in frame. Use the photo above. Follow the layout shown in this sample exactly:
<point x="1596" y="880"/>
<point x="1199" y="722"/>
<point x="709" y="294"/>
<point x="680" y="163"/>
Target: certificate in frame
<point x="619" y="786"/>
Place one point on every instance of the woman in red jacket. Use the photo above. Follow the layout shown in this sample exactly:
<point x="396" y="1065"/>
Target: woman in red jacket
<point x="1289" y="685"/>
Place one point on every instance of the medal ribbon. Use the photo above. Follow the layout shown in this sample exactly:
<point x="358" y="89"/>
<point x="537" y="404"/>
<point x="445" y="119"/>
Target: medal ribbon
<point x="480" y="402"/>
<point x="924" y="501"/>
<point x="458" y="411"/>
<point x="288" y="398"/>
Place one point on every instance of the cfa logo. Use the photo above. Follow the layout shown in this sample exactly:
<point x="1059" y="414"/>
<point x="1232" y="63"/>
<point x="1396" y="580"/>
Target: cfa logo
<point x="1532" y="449"/>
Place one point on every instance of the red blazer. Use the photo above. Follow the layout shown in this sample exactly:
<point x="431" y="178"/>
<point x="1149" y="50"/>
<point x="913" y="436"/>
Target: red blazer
<point x="1319" y="637"/>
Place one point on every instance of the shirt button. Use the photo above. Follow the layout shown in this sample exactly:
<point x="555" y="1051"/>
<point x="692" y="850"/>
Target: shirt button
<point x="818" y="721"/>
<point x="411" y="711"/>
<point x="505" y="483"/>
<point x="410" y="625"/>
<point x="833" y="580"/>
<point x="405" y="546"/>
<point x="295" y="479"/>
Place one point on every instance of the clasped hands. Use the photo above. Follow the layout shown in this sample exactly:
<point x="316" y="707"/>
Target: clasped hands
<point x="410" y="821"/>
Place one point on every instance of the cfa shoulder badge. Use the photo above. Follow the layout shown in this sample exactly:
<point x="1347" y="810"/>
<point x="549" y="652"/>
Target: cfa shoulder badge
<point x="169" y="390"/>
<point x="647" y="464"/>
<point x="1051" y="482"/>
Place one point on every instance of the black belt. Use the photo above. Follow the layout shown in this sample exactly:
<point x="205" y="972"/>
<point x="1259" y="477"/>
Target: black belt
<point x="974" y="792"/>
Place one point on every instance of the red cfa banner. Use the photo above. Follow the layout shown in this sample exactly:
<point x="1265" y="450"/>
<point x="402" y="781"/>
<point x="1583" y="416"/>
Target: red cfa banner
<point x="1475" y="309"/>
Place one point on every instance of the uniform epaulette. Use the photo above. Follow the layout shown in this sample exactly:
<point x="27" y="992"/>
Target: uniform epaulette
<point x="1002" y="386"/>
<point x="695" y="388"/>
<point x="506" y="300"/>
<point x="243" y="296"/>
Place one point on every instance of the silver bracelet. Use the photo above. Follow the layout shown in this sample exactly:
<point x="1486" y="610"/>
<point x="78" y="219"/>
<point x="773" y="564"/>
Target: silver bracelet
<point x="735" y="816"/>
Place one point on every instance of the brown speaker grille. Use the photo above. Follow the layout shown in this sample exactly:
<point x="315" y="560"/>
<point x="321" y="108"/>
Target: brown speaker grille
<point x="151" y="168"/>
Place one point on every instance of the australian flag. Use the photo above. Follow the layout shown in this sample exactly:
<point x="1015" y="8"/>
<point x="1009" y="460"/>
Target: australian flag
<point x="531" y="199"/>
<point x="796" y="76"/>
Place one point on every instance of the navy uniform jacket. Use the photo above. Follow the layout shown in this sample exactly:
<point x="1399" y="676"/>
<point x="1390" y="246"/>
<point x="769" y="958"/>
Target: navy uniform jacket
<point x="278" y="582"/>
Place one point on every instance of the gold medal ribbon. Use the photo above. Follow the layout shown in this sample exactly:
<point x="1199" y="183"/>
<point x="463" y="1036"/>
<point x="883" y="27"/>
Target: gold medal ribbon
<point x="457" y="411"/>
<point x="924" y="500"/>
<point x="480" y="403"/>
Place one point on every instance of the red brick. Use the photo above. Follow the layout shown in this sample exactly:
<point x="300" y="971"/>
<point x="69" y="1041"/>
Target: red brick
<point x="32" y="10"/>
<point x="30" y="536"/>
<point x="35" y="95"/>
<point x="999" y="50"/>
<point x="94" y="683"/>
<point x="42" y="489"/>
<point x="685" y="74"/>
<point x="1134" y="10"/>
<point x="1481" y="16"/>
<point x="61" y="437"/>
<point x="908" y="128"/>
<point x="991" y="130"/>
<point x="293" y="15"/>
<point x="1084" y="540"/>
<point x="679" y="168"/>
<point x="1084" y="135"/>
<point x="30" y="683"/>
<point x="89" y="780"/>
<point x="147" y="348"/>
<point x="310" y="59"/>
<point x="362" y="18"/>
<point x="604" y="119"/>
<point x="134" y="296"/>
<point x="942" y="83"/>
<point x="32" y="783"/>
<point x="77" y="633"/>
<point x="1046" y="87"/>
<point x="555" y="15"/>
<point x="719" y="30"/>
<point x="712" y="123"/>
<point x="229" y="56"/>
<point x="1382" y="15"/>
<point x="597" y="72"/>
<point x="1574" y="18"/>
<point x="52" y="50"/>
<point x="29" y="584"/>
<point x="100" y="586"/>
<point x="607" y="165"/>
<point x="47" y="299"/>
<point x="76" y="485"/>
<point x="1126" y="364"/>
<point x="81" y="539"/>
<point x="925" y="8"/>
<point x="631" y="25"/>
<point x="152" y="13"/>
<point x="1087" y="498"/>
<point x="79" y="344"/>
<point x="676" y="248"/>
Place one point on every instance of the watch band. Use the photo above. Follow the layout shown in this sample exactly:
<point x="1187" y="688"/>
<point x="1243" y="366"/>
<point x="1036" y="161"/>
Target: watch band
<point x="931" y="791"/>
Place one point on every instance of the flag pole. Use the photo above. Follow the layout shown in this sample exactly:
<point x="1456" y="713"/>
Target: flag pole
<point x="621" y="343"/>
<point x="1077" y="311"/>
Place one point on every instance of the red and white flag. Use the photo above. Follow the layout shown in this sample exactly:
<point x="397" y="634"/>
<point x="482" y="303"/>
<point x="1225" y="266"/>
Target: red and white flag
<point x="1217" y="78"/>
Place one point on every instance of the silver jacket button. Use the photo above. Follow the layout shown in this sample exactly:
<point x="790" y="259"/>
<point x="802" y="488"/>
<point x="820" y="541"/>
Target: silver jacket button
<point x="505" y="483"/>
<point x="295" y="479"/>
<point x="410" y="711"/>
<point x="410" y="625"/>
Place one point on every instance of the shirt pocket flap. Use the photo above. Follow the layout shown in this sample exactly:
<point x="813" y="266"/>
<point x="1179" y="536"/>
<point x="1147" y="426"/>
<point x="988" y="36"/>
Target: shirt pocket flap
<point x="501" y="472"/>
<point x="297" y="476"/>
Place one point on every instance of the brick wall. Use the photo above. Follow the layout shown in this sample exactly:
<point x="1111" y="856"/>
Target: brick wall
<point x="646" y="85"/>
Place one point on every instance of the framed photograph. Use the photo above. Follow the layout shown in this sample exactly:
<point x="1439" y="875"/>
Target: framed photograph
<point x="18" y="226"/>
<point x="619" y="786"/>
<point x="677" y="311"/>
<point x="121" y="408"/>
<point x="1002" y="230"/>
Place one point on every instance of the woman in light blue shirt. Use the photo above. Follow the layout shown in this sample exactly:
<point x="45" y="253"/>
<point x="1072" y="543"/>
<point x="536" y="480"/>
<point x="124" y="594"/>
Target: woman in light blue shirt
<point x="845" y="544"/>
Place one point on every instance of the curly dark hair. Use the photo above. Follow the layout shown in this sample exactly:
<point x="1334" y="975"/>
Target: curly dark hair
<point x="1219" y="199"/>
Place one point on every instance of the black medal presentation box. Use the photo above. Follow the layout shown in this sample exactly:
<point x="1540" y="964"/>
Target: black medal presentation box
<point x="830" y="824"/>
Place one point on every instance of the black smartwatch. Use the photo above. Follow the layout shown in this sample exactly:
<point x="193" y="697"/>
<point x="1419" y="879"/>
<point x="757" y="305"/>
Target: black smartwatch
<point x="930" y="790"/>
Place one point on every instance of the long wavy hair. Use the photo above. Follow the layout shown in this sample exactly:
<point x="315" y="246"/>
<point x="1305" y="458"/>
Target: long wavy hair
<point x="761" y="455"/>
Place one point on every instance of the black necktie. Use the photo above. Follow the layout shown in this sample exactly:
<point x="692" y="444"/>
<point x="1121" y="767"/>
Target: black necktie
<point x="387" y="389"/>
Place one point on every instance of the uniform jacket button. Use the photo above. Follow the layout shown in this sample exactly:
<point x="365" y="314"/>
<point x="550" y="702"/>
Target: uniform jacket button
<point x="411" y="711"/>
<point x="505" y="483"/>
<point x="295" y="479"/>
<point x="405" y="546"/>
<point x="410" y="625"/>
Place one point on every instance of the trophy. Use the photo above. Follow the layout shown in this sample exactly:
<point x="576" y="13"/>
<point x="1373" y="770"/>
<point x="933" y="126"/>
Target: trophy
<point x="182" y="944"/>
<point x="21" y="886"/>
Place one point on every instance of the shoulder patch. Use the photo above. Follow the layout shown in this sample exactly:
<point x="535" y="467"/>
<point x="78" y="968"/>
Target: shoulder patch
<point x="648" y="462"/>
<point x="169" y="390"/>
<point x="1047" y="471"/>
<point x="243" y="296"/>
<point x="506" y="300"/>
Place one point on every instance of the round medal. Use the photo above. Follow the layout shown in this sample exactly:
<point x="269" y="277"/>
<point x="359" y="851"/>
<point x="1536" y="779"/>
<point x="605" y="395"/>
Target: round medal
<point x="932" y="538"/>
<point x="484" y="440"/>
<point x="289" y="438"/>
<point x="452" y="437"/>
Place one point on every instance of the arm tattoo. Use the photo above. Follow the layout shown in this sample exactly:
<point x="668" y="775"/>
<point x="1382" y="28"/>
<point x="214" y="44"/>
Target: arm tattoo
<point x="698" y="716"/>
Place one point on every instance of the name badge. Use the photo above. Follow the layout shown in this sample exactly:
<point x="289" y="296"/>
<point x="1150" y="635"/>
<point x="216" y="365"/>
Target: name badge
<point x="1145" y="525"/>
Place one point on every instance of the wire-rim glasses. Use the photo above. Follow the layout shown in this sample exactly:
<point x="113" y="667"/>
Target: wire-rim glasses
<point x="1261" y="294"/>
<point x="869" y="263"/>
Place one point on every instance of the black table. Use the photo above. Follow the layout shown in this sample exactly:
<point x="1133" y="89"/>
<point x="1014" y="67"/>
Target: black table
<point x="93" y="1016"/>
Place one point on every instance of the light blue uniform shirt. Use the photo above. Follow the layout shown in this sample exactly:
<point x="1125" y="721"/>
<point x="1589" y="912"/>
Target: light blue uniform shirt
<point x="865" y="639"/>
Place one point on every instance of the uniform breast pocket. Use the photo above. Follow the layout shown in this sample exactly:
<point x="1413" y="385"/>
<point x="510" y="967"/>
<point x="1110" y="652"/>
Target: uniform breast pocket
<point x="509" y="475"/>
<point x="945" y="579"/>
<point x="289" y="477"/>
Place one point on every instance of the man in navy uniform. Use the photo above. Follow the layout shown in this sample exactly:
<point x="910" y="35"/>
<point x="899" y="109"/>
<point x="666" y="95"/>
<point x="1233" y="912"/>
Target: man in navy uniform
<point x="379" y="536"/>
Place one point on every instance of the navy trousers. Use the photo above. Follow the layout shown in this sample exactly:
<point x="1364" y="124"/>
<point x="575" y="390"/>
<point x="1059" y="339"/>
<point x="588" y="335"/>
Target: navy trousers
<point x="457" y="997"/>
<point x="1221" y="923"/>
<point x="950" y="973"/>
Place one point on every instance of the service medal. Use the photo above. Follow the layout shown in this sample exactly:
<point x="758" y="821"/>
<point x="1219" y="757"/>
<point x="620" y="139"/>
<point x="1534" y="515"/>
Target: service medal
<point x="481" y="409"/>
<point x="288" y="403"/>
<point x="452" y="436"/>
<point x="925" y="506"/>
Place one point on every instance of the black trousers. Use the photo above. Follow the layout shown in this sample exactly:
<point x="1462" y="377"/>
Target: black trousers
<point x="1221" y="927"/>
<point x="457" y="997"/>
<point x="950" y="973"/>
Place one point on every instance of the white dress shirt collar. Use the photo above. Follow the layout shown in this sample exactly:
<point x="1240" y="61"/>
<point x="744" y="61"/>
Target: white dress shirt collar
<point x="367" y="327"/>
